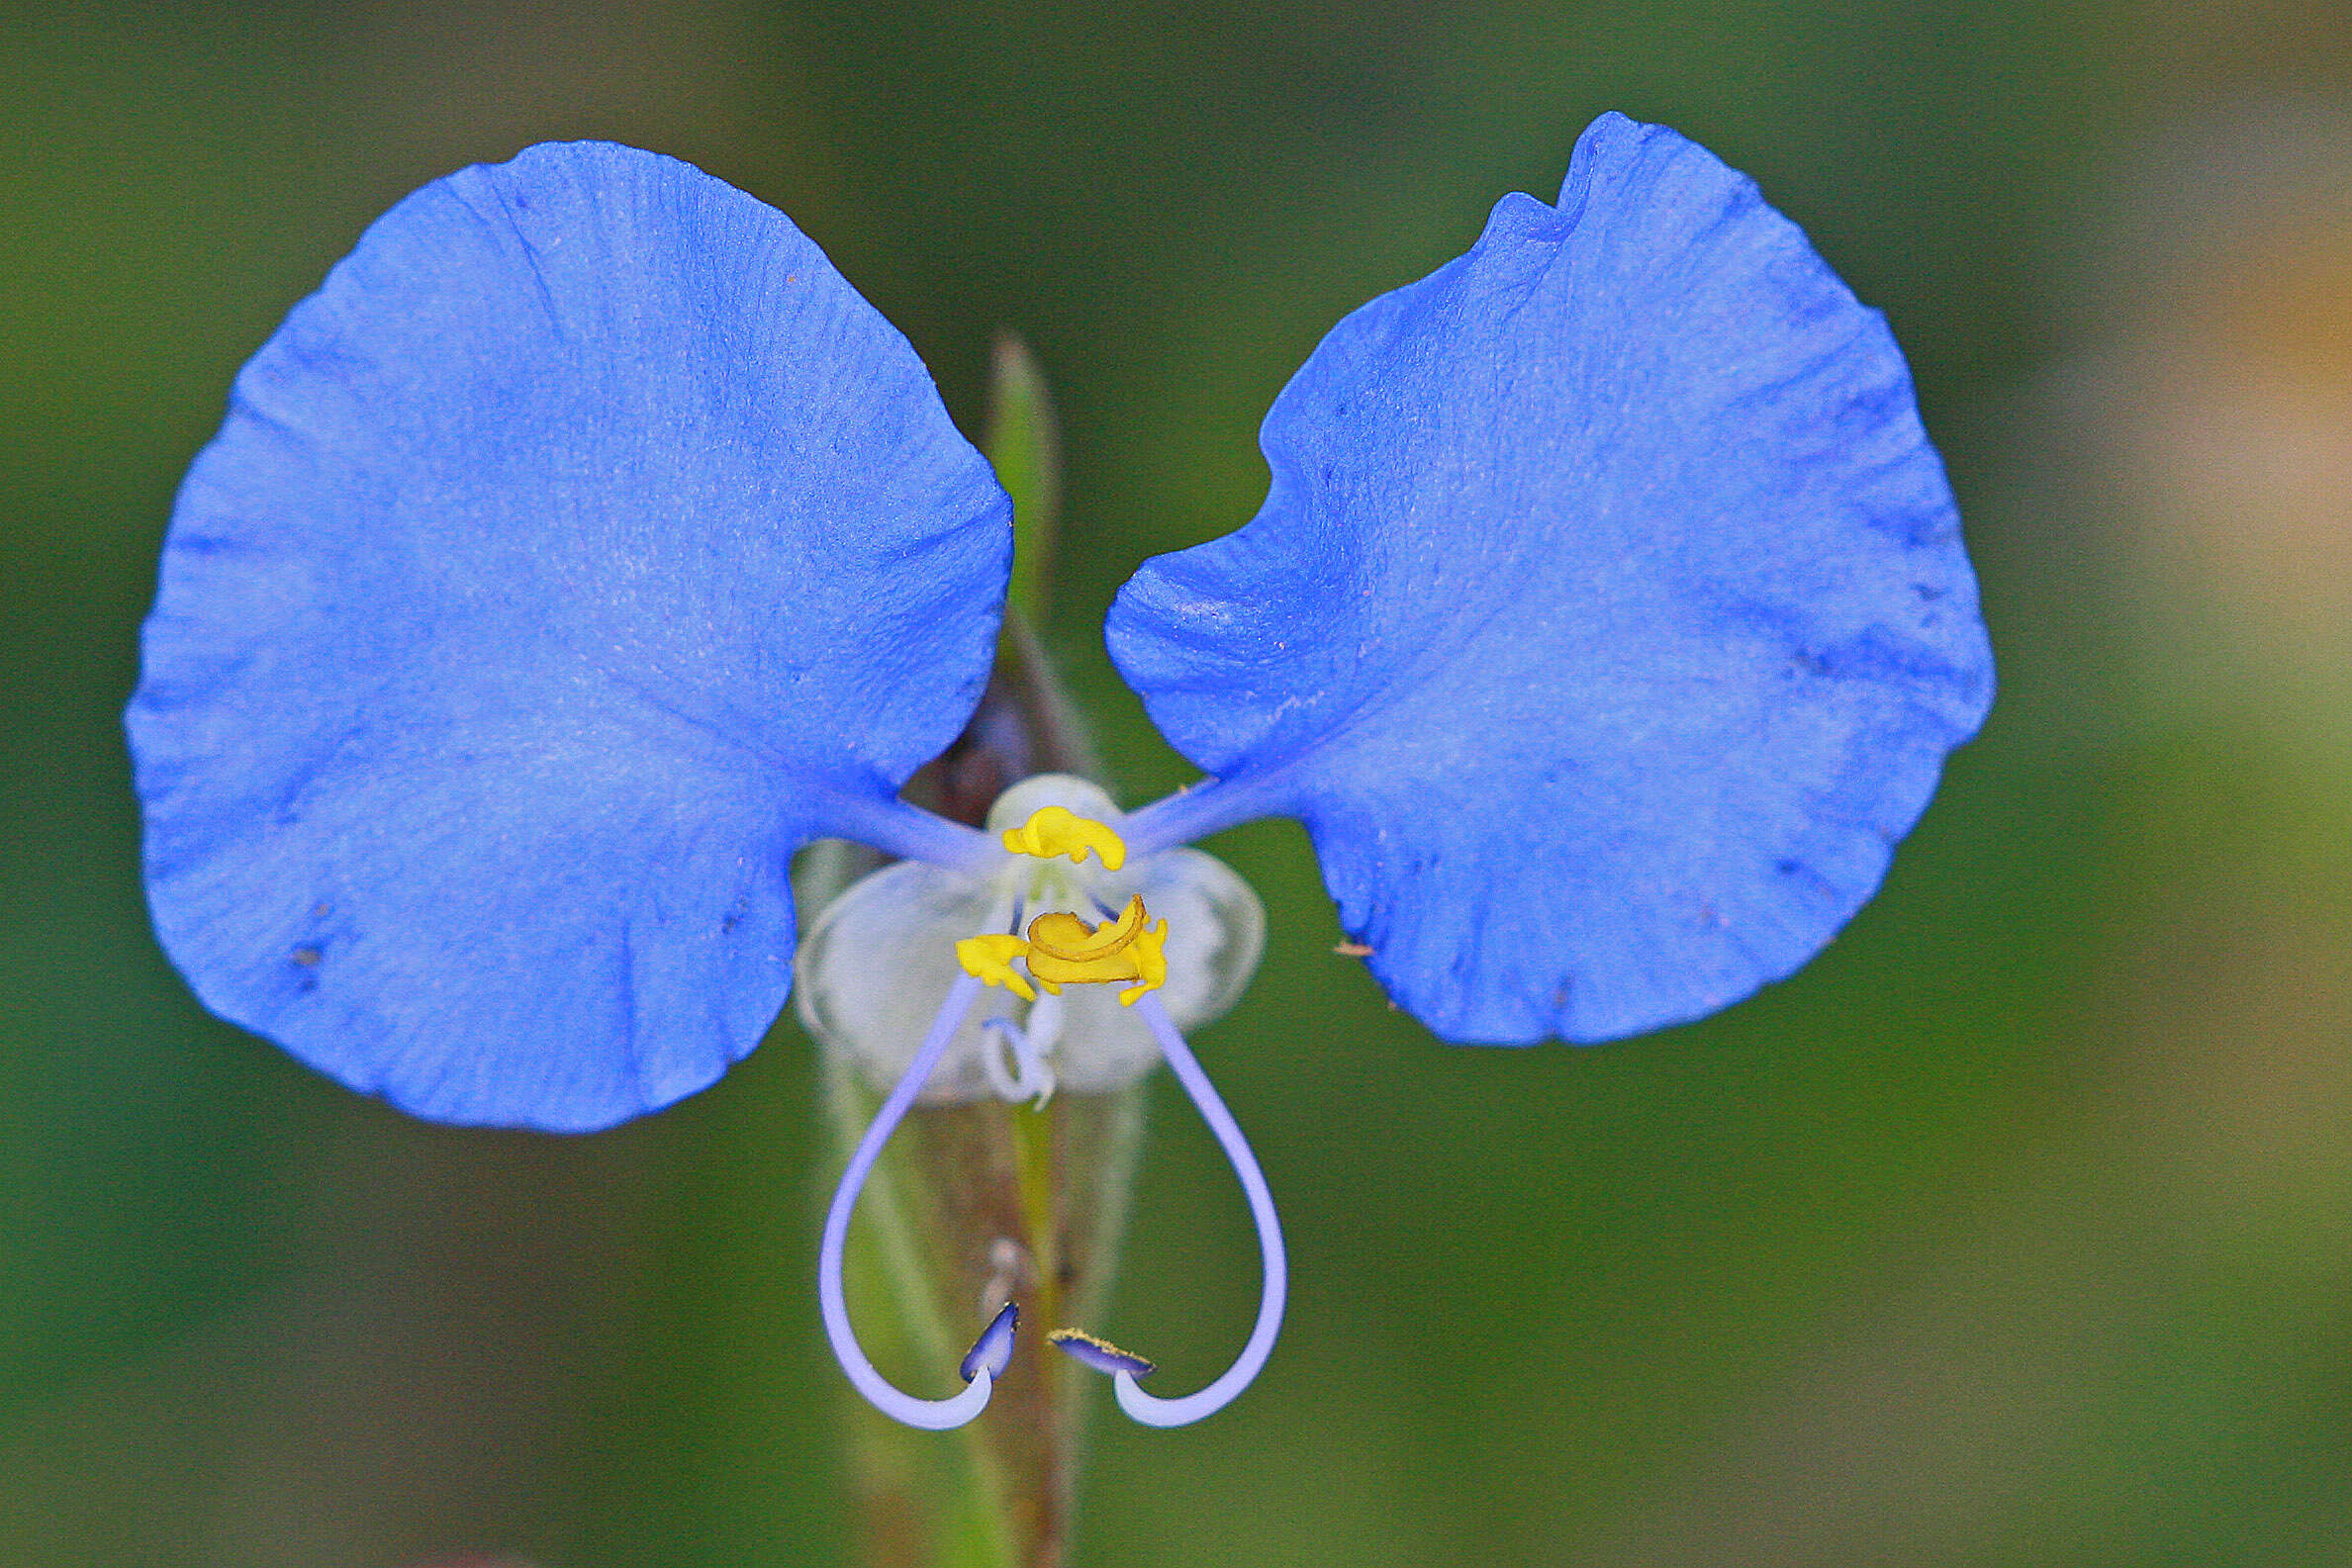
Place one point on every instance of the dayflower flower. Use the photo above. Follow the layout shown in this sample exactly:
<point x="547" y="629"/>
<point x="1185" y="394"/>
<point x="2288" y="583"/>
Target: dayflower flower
<point x="586" y="545"/>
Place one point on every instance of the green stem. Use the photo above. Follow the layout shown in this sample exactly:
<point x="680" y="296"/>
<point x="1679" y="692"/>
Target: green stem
<point x="971" y="1204"/>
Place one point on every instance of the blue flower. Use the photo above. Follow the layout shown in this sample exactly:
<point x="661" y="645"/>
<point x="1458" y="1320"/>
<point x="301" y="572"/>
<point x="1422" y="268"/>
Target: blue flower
<point x="586" y="545"/>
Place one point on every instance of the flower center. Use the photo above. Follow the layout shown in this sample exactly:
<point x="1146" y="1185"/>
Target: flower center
<point x="1062" y="948"/>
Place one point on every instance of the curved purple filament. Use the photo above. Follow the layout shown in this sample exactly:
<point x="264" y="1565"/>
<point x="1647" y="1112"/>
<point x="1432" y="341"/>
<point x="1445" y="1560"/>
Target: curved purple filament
<point x="931" y="1414"/>
<point x="1142" y="1407"/>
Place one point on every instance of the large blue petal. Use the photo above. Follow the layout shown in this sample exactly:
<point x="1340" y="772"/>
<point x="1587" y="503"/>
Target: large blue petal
<point x="1607" y="621"/>
<point x="584" y="545"/>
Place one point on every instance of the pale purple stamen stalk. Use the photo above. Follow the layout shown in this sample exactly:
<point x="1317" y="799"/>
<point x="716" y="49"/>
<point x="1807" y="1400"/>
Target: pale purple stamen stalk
<point x="931" y="1414"/>
<point x="1142" y="1407"/>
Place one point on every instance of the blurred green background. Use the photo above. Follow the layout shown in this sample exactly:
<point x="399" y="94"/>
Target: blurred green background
<point x="2018" y="1230"/>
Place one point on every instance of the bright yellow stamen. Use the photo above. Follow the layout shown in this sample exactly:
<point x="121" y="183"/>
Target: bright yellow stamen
<point x="1058" y="830"/>
<point x="1151" y="965"/>
<point x="1067" y="937"/>
<point x="989" y="956"/>
<point x="1064" y="951"/>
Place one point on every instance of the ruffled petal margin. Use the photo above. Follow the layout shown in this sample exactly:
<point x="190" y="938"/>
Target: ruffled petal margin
<point x="1607" y="621"/>
<point x="583" y="546"/>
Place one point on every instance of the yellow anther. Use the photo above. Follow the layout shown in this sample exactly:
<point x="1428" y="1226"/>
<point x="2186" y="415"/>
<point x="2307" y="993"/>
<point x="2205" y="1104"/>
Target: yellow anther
<point x="1064" y="951"/>
<point x="1151" y="965"/>
<point x="1058" y="830"/>
<point x="1072" y="940"/>
<point x="989" y="956"/>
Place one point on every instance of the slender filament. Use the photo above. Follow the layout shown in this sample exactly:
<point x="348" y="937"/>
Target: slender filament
<point x="931" y="1414"/>
<point x="1142" y="1407"/>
